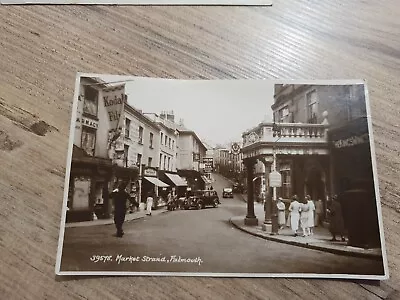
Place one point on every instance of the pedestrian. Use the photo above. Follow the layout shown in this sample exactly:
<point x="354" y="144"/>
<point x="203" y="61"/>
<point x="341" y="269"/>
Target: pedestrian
<point x="319" y="212"/>
<point x="120" y="197"/>
<point x="149" y="203"/>
<point x="336" y="226"/>
<point x="281" y="213"/>
<point x="304" y="213"/>
<point x="294" y="209"/>
<point x="311" y="210"/>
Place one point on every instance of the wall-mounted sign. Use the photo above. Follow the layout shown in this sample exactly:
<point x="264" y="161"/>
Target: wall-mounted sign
<point x="90" y="123"/>
<point x="275" y="179"/>
<point x="150" y="172"/>
<point x="196" y="156"/>
<point x="352" y="141"/>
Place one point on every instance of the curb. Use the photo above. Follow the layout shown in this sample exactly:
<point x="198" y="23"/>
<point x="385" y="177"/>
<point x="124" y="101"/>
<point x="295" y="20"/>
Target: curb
<point x="308" y="246"/>
<point x="111" y="222"/>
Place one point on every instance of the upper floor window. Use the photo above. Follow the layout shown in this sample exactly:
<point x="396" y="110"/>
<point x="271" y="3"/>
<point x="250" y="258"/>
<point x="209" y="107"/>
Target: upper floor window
<point x="139" y="159"/>
<point x="159" y="163"/>
<point x="151" y="140"/>
<point x="127" y="127"/>
<point x="283" y="115"/>
<point x="150" y="160"/>
<point x="173" y="144"/>
<point x="126" y="155"/>
<point x="162" y="136"/>
<point x="169" y="143"/>
<point x="91" y="100"/>
<point x="88" y="140"/>
<point x="312" y="107"/>
<point x="166" y="140"/>
<point x="140" y="135"/>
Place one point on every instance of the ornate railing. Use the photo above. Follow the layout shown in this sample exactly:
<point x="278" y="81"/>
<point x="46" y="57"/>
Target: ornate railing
<point x="296" y="133"/>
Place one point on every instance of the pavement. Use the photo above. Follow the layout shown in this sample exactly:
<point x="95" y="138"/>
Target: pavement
<point x="129" y="217"/>
<point x="320" y="240"/>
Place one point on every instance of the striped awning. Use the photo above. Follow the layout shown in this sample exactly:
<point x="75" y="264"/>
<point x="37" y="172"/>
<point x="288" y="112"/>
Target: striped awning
<point x="156" y="181"/>
<point x="177" y="180"/>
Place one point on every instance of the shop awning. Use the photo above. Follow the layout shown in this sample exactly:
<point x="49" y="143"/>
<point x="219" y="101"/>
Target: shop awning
<point x="177" y="180"/>
<point x="206" y="180"/>
<point x="156" y="181"/>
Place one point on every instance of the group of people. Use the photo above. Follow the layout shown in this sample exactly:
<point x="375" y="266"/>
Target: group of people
<point x="307" y="214"/>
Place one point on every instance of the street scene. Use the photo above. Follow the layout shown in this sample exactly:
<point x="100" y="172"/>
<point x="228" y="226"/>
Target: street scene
<point x="151" y="193"/>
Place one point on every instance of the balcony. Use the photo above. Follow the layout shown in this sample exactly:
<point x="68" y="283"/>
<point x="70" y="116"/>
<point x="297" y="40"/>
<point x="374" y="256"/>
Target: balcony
<point x="285" y="138"/>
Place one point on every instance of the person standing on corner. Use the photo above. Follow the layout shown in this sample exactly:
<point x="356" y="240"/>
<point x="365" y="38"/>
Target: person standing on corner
<point x="319" y="212"/>
<point x="149" y="203"/>
<point x="120" y="196"/>
<point x="336" y="226"/>
<point x="304" y="213"/>
<point x="281" y="213"/>
<point x="311" y="209"/>
<point x="294" y="210"/>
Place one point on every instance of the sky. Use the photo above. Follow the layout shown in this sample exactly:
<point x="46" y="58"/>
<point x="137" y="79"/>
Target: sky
<point x="219" y="111"/>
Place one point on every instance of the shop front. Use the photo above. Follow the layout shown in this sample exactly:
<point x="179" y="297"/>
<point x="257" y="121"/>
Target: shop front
<point x="177" y="184"/>
<point x="354" y="183"/>
<point x="151" y="184"/>
<point x="194" y="180"/>
<point x="88" y="185"/>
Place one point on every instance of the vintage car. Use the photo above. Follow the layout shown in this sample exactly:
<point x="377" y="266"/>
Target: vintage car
<point x="227" y="193"/>
<point x="201" y="199"/>
<point x="237" y="188"/>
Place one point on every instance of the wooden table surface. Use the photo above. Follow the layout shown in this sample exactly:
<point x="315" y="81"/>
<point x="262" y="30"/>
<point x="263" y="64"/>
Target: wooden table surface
<point x="42" y="48"/>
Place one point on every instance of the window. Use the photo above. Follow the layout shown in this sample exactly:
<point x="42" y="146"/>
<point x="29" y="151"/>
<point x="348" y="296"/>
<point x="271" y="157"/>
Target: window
<point x="140" y="135"/>
<point x="126" y="155"/>
<point x="169" y="163"/>
<point x="312" y="107"/>
<point x="88" y="140"/>
<point x="165" y="161"/>
<point x="90" y="103"/>
<point x="150" y="160"/>
<point x="283" y="115"/>
<point x="285" y="189"/>
<point x="169" y="143"/>
<point x="159" y="163"/>
<point x="166" y="140"/>
<point x="151" y="140"/>
<point x="127" y="127"/>
<point x="162" y="135"/>
<point x="173" y="144"/>
<point x="139" y="159"/>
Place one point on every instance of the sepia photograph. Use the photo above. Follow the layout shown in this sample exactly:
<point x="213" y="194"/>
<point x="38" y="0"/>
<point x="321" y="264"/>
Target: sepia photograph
<point x="221" y="178"/>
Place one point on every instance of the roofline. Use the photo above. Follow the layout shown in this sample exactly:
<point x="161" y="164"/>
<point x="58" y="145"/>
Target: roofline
<point x="138" y="114"/>
<point x="191" y="132"/>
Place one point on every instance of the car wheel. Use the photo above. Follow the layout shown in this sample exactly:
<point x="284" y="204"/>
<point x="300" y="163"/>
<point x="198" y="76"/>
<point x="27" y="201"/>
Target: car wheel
<point x="199" y="205"/>
<point x="215" y="203"/>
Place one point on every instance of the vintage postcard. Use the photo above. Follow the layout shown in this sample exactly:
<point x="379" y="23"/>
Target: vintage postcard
<point x="221" y="178"/>
<point x="144" y="2"/>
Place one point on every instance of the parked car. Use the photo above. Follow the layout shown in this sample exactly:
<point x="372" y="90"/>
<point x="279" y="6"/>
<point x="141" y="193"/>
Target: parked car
<point x="227" y="193"/>
<point x="237" y="188"/>
<point x="201" y="199"/>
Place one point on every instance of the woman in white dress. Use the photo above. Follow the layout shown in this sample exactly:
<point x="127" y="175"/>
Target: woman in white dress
<point x="294" y="210"/>
<point x="281" y="213"/>
<point x="311" y="211"/>
<point x="149" y="203"/>
<point x="304" y="217"/>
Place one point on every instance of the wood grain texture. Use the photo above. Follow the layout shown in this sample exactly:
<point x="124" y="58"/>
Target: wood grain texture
<point x="42" y="48"/>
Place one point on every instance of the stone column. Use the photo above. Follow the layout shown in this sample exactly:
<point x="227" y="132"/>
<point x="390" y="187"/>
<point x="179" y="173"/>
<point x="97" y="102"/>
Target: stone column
<point x="251" y="218"/>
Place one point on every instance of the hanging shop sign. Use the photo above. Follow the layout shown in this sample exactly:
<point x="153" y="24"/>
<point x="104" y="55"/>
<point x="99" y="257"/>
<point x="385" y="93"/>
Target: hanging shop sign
<point x="235" y="148"/>
<point x="275" y="179"/>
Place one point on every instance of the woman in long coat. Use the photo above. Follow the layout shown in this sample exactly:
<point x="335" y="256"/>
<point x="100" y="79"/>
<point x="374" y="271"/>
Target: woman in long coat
<point x="281" y="213"/>
<point x="336" y="226"/>
<point x="294" y="210"/>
